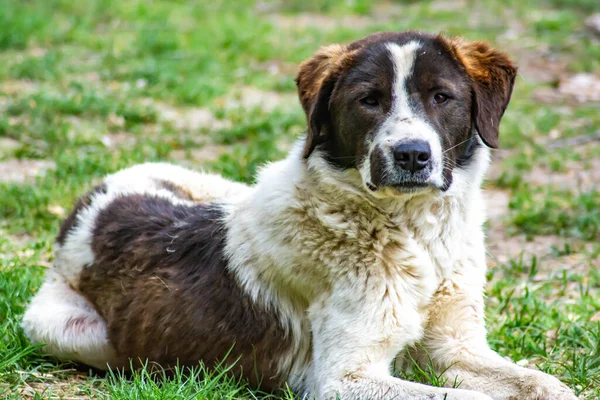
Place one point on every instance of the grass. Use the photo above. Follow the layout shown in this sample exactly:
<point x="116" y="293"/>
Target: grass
<point x="90" y="85"/>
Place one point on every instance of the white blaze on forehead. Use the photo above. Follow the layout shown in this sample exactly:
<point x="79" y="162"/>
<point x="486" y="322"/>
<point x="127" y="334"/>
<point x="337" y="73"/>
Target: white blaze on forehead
<point x="403" y="58"/>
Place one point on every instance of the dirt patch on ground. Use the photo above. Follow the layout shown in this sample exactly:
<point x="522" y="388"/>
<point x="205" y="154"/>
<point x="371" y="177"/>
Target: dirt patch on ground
<point x="8" y="145"/>
<point x="304" y="21"/>
<point x="576" y="176"/>
<point x="502" y="248"/>
<point x="21" y="171"/>
<point x="195" y="157"/>
<point x="540" y="67"/>
<point x="118" y="139"/>
<point x="497" y="204"/>
<point x="249" y="97"/>
<point x="188" y="118"/>
<point x="18" y="87"/>
<point x="593" y="23"/>
<point x="20" y="240"/>
<point x="580" y="176"/>
<point x="500" y="245"/>
<point x="50" y="387"/>
<point x="381" y="12"/>
<point x="202" y="118"/>
<point x="571" y="89"/>
<point x="448" y="5"/>
<point x="276" y="67"/>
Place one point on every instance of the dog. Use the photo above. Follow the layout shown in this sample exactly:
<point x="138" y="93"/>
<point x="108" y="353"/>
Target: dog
<point x="364" y="245"/>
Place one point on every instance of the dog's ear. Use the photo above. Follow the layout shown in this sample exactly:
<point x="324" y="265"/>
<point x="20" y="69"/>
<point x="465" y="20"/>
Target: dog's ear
<point x="315" y="81"/>
<point x="493" y="76"/>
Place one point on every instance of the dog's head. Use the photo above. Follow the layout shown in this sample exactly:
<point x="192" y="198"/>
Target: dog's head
<point x="405" y="109"/>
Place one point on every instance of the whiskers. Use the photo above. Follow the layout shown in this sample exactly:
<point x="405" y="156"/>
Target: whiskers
<point x="448" y="163"/>
<point x="455" y="146"/>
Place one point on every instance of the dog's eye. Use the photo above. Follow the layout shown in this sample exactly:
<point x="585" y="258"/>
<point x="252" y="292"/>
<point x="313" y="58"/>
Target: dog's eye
<point x="440" y="98"/>
<point x="370" y="101"/>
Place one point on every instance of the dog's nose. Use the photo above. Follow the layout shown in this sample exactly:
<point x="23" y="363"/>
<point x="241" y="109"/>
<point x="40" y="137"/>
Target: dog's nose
<point x="412" y="156"/>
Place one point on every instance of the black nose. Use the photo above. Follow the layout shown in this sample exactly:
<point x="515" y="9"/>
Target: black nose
<point x="412" y="156"/>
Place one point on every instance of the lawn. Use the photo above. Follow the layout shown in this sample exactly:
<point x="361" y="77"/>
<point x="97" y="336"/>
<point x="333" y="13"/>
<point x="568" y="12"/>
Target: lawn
<point x="87" y="88"/>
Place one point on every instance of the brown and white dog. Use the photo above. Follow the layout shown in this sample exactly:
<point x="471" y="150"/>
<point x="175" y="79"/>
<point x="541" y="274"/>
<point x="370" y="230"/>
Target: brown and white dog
<point x="367" y="239"/>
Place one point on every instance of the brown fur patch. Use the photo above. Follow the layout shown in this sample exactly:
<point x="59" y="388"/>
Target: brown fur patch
<point x="493" y="75"/>
<point x="312" y="72"/>
<point x="315" y="81"/>
<point x="161" y="282"/>
<point x="177" y="190"/>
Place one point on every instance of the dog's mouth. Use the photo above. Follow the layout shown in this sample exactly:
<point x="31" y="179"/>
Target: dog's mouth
<point x="410" y="187"/>
<point x="402" y="187"/>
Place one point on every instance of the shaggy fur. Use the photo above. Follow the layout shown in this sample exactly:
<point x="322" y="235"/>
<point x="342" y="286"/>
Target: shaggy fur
<point x="339" y="260"/>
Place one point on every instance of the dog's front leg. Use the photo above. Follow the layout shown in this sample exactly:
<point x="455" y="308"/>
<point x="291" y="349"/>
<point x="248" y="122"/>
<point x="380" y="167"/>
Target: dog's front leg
<point x="355" y="338"/>
<point x="455" y="339"/>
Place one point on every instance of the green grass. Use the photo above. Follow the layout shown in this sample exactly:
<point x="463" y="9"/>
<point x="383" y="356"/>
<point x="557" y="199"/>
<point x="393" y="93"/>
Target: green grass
<point x="85" y="84"/>
<point x="557" y="212"/>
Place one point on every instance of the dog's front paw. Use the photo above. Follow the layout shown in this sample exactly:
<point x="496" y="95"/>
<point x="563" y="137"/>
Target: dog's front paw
<point x="540" y="386"/>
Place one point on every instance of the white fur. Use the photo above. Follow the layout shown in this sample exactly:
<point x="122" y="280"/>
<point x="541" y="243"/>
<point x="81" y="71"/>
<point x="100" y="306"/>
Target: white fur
<point x="49" y="320"/>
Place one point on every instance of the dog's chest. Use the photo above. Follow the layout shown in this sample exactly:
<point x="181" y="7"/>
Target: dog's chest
<point x="395" y="268"/>
<point x="414" y="252"/>
<point x="414" y="265"/>
<point x="426" y="233"/>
